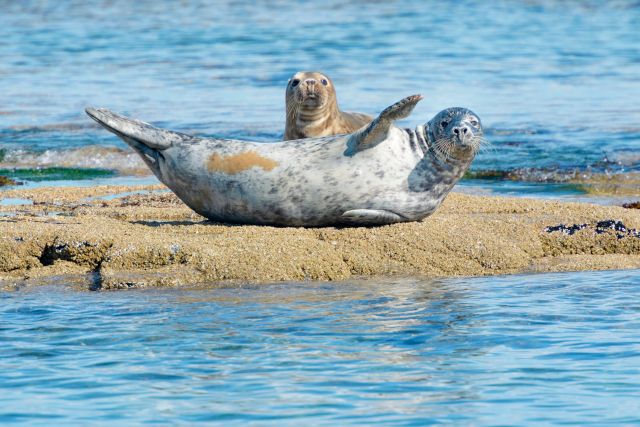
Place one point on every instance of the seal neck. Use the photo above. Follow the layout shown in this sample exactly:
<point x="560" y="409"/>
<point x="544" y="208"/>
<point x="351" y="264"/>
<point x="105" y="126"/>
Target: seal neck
<point x="418" y="140"/>
<point x="312" y="120"/>
<point x="300" y="117"/>
<point x="313" y="114"/>
<point x="437" y="175"/>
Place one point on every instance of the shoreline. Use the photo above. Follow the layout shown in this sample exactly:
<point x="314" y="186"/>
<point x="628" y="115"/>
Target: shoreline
<point x="120" y="237"/>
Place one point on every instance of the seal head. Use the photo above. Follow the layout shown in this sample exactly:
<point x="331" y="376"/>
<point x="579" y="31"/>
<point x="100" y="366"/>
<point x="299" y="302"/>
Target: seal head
<point x="312" y="108"/>
<point x="455" y="134"/>
<point x="311" y="90"/>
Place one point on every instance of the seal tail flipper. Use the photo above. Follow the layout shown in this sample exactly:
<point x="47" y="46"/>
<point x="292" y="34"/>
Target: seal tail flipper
<point x="148" y="141"/>
<point x="372" y="217"/>
<point x="376" y="131"/>
<point x="140" y="132"/>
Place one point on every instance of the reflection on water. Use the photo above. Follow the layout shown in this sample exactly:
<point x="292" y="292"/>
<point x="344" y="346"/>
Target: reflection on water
<point x="512" y="350"/>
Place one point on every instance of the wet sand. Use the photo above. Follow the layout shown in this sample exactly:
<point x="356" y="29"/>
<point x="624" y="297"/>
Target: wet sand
<point x="86" y="237"/>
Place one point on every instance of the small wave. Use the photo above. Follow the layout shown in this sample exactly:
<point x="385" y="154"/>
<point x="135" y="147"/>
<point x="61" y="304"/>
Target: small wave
<point x="511" y="132"/>
<point x="587" y="181"/>
<point x="624" y="158"/>
<point x="552" y="175"/>
<point x="122" y="161"/>
<point x="543" y="175"/>
<point x="53" y="127"/>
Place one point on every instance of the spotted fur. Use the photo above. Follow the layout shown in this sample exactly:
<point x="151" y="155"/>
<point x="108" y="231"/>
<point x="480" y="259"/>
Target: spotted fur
<point x="312" y="182"/>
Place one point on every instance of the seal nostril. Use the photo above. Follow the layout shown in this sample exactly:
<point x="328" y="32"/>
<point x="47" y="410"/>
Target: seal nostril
<point x="465" y="130"/>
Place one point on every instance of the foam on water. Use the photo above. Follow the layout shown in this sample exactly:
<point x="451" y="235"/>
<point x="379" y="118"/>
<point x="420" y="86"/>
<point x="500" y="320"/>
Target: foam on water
<point x="124" y="161"/>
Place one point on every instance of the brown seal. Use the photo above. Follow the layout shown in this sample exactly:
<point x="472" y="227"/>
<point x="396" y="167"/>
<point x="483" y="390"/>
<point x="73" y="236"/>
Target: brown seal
<point x="312" y="108"/>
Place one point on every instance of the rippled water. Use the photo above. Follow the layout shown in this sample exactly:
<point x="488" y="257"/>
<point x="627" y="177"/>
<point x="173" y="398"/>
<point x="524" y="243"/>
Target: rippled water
<point x="556" y="83"/>
<point x="513" y="350"/>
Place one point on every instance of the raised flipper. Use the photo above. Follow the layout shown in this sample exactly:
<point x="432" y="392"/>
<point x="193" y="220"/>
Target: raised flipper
<point x="377" y="130"/>
<point x="372" y="217"/>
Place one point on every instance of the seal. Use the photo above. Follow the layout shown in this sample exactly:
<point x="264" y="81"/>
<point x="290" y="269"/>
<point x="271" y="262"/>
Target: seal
<point x="312" y="108"/>
<point x="380" y="174"/>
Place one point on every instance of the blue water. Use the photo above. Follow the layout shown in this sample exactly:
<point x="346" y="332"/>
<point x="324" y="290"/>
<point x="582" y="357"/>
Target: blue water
<point x="513" y="350"/>
<point x="556" y="83"/>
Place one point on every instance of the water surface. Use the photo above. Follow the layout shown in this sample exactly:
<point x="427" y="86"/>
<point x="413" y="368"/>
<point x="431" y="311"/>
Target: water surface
<point x="556" y="83"/>
<point x="511" y="350"/>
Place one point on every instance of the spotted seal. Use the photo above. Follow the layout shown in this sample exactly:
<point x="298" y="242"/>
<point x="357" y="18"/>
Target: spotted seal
<point x="312" y="108"/>
<point x="380" y="174"/>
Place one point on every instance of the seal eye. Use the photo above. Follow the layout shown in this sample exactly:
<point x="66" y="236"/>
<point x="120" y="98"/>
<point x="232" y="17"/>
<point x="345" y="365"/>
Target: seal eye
<point x="474" y="122"/>
<point x="295" y="82"/>
<point x="444" y="124"/>
<point x="324" y="82"/>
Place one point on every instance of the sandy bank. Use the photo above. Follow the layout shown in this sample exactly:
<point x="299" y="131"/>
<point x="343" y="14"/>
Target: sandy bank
<point x="152" y="239"/>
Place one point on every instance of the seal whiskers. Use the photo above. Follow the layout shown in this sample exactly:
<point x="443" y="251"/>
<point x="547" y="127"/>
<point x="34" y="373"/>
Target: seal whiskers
<point x="442" y="148"/>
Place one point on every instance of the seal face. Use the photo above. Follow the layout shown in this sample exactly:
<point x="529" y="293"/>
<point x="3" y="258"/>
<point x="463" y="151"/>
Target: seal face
<point x="312" y="108"/>
<point x="380" y="174"/>
<point x="456" y="133"/>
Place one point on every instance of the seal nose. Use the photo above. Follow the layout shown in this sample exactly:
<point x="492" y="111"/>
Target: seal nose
<point x="461" y="132"/>
<point x="310" y="82"/>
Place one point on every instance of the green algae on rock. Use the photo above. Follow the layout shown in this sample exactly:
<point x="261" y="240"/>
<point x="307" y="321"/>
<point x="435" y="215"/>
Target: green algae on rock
<point x="55" y="173"/>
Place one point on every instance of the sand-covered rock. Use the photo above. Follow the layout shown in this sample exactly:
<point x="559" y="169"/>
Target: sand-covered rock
<point x="147" y="237"/>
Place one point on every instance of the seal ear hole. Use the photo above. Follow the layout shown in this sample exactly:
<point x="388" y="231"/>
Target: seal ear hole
<point x="295" y="82"/>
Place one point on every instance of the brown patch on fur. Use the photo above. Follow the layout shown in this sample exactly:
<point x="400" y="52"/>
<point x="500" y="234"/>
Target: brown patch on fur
<point x="237" y="163"/>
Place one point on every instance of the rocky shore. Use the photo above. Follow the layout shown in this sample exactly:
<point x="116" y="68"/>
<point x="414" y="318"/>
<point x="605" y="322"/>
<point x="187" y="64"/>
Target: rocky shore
<point x="116" y="237"/>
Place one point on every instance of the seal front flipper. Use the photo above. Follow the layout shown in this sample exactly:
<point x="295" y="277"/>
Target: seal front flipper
<point x="377" y="130"/>
<point x="371" y="217"/>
